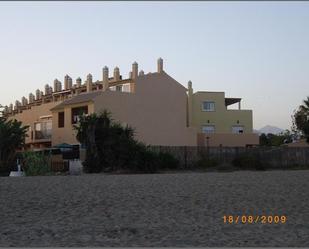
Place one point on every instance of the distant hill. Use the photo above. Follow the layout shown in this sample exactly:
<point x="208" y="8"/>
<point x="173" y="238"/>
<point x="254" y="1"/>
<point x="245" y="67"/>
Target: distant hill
<point x="269" y="129"/>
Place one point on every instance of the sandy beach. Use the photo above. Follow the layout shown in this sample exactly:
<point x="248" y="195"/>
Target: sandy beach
<point x="183" y="209"/>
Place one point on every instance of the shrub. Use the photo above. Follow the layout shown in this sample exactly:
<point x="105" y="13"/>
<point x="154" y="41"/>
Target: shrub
<point x="12" y="138"/>
<point x="147" y="161"/>
<point x="167" y="161"/>
<point x="246" y="161"/>
<point x="35" y="163"/>
<point x="112" y="147"/>
<point x="206" y="162"/>
<point x="225" y="167"/>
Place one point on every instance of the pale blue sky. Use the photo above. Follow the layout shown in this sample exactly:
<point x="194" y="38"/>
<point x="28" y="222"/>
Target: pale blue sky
<point x="254" y="50"/>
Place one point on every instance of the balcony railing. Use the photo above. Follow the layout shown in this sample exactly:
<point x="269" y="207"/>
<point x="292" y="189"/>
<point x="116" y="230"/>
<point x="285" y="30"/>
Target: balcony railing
<point x="43" y="130"/>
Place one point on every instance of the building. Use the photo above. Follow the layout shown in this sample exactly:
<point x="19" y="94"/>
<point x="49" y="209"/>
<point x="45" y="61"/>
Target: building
<point x="160" y="109"/>
<point x="218" y="125"/>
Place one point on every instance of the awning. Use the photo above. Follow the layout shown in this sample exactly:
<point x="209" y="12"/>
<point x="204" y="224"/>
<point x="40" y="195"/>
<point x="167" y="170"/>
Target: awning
<point x="63" y="146"/>
<point x="231" y="101"/>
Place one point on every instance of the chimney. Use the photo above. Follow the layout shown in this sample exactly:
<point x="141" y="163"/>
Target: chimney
<point x="31" y="98"/>
<point x="57" y="85"/>
<point x="78" y="82"/>
<point x="134" y="70"/>
<point x="190" y="104"/>
<point x="116" y="74"/>
<point x="160" y="65"/>
<point x="11" y="107"/>
<point x="66" y="82"/>
<point x="70" y="82"/>
<point x="141" y="73"/>
<point x="105" y="78"/>
<point x="190" y="85"/>
<point x="17" y="104"/>
<point x="46" y="89"/>
<point x="24" y="101"/>
<point x="89" y="83"/>
<point x="37" y="94"/>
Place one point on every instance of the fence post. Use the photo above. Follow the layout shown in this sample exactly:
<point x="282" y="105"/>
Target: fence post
<point x="185" y="150"/>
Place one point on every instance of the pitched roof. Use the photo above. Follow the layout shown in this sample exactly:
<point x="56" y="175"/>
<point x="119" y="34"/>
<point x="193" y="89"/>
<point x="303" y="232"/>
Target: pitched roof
<point x="83" y="97"/>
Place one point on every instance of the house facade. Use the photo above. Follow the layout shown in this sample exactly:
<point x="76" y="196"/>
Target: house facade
<point x="216" y="124"/>
<point x="160" y="109"/>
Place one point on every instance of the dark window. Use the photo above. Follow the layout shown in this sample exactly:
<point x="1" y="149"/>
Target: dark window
<point x="78" y="111"/>
<point x="60" y="119"/>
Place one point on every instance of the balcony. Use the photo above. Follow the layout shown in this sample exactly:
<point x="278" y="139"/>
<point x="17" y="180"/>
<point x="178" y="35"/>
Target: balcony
<point x="231" y="102"/>
<point x="43" y="131"/>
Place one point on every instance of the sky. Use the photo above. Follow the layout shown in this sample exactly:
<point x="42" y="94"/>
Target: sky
<point x="258" y="51"/>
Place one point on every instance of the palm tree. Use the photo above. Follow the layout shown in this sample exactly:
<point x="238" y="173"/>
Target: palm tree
<point x="305" y="107"/>
<point x="301" y="119"/>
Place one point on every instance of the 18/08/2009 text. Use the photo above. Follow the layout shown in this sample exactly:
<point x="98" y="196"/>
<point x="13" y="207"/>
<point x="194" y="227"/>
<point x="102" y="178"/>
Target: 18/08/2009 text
<point x="253" y="219"/>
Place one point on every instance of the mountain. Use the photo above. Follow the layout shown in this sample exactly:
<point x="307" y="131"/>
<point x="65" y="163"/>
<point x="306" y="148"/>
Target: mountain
<point x="270" y="129"/>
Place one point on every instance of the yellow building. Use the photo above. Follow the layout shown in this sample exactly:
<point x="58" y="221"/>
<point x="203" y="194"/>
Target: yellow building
<point x="160" y="109"/>
<point x="218" y="125"/>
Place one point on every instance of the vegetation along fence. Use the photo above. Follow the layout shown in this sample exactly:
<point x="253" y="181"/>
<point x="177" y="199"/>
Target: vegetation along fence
<point x="272" y="157"/>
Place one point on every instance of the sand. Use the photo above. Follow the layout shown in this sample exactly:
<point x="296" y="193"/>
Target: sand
<point x="183" y="209"/>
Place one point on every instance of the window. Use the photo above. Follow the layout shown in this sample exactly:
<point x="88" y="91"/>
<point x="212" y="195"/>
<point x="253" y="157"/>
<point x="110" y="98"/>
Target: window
<point x="208" y="106"/>
<point x="119" y="88"/>
<point x="78" y="111"/>
<point x="208" y="129"/>
<point x="237" y="129"/>
<point x="43" y="130"/>
<point x="60" y="119"/>
<point x="37" y="127"/>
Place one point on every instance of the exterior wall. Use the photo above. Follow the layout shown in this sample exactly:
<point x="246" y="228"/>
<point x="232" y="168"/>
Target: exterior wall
<point x="30" y="116"/>
<point x="227" y="139"/>
<point x="159" y="110"/>
<point x="67" y="134"/>
<point x="156" y="110"/>
<point x="300" y="143"/>
<point x="221" y="118"/>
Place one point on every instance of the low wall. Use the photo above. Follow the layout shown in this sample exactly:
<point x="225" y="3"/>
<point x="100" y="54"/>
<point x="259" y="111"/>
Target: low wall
<point x="227" y="139"/>
<point x="274" y="157"/>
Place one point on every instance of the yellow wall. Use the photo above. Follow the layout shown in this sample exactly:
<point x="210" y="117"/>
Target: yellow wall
<point x="228" y="139"/>
<point x="221" y="118"/>
<point x="30" y="116"/>
<point x="156" y="110"/>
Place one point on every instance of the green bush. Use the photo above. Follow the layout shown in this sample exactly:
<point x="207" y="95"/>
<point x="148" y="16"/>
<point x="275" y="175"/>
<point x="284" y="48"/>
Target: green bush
<point x="225" y="167"/>
<point x="110" y="147"/>
<point x="246" y="161"/>
<point x="206" y="162"/>
<point x="35" y="164"/>
<point x="167" y="161"/>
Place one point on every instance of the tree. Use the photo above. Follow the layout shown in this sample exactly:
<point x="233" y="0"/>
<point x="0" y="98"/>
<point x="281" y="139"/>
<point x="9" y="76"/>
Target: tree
<point x="112" y="147"/>
<point x="12" y="137"/>
<point x="109" y="146"/>
<point x="301" y="119"/>
<point x="275" y="140"/>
